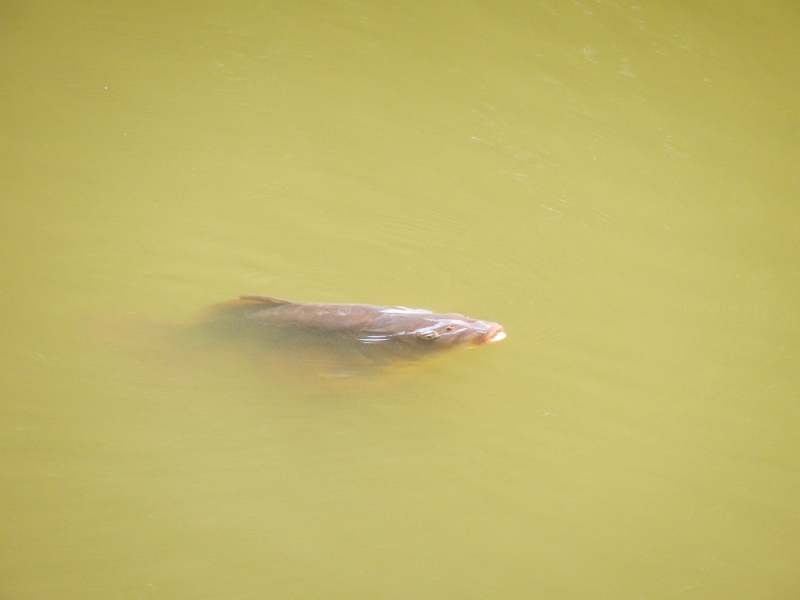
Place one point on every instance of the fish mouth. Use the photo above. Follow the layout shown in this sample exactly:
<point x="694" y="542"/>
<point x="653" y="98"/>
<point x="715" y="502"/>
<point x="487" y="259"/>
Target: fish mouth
<point x="495" y="334"/>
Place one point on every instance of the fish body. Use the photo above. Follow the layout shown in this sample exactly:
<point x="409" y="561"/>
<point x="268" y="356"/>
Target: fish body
<point x="377" y="334"/>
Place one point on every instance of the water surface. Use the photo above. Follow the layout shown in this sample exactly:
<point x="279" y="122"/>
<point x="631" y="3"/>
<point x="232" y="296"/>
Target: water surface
<point x="615" y="184"/>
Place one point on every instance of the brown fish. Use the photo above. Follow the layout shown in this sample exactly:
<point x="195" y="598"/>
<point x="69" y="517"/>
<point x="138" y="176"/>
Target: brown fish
<point x="361" y="333"/>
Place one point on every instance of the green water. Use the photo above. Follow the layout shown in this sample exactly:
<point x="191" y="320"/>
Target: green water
<point x="616" y="184"/>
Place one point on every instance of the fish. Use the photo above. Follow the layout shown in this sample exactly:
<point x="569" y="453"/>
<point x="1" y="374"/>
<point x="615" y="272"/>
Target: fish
<point x="358" y="335"/>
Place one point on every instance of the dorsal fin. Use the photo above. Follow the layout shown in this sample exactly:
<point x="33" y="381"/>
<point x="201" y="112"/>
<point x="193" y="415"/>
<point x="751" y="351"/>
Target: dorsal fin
<point x="245" y="304"/>
<point x="265" y="300"/>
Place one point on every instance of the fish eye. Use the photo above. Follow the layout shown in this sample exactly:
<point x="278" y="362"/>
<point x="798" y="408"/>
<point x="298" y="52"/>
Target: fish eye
<point x="429" y="335"/>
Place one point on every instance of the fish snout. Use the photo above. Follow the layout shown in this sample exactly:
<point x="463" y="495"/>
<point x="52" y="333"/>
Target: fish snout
<point x="494" y="334"/>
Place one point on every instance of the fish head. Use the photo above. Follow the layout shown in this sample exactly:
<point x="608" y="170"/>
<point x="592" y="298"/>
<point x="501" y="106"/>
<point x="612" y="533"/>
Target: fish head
<point x="441" y="332"/>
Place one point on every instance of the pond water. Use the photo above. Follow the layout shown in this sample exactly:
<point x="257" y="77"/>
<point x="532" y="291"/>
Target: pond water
<point x="615" y="183"/>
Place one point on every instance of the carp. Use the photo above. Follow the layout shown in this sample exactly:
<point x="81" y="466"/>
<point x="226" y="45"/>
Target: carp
<point x="358" y="334"/>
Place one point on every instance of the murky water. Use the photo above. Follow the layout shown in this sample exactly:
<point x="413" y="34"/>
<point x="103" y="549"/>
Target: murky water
<point x="614" y="183"/>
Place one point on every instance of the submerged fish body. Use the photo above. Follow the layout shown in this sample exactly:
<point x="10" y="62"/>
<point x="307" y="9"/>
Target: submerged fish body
<point x="372" y="334"/>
